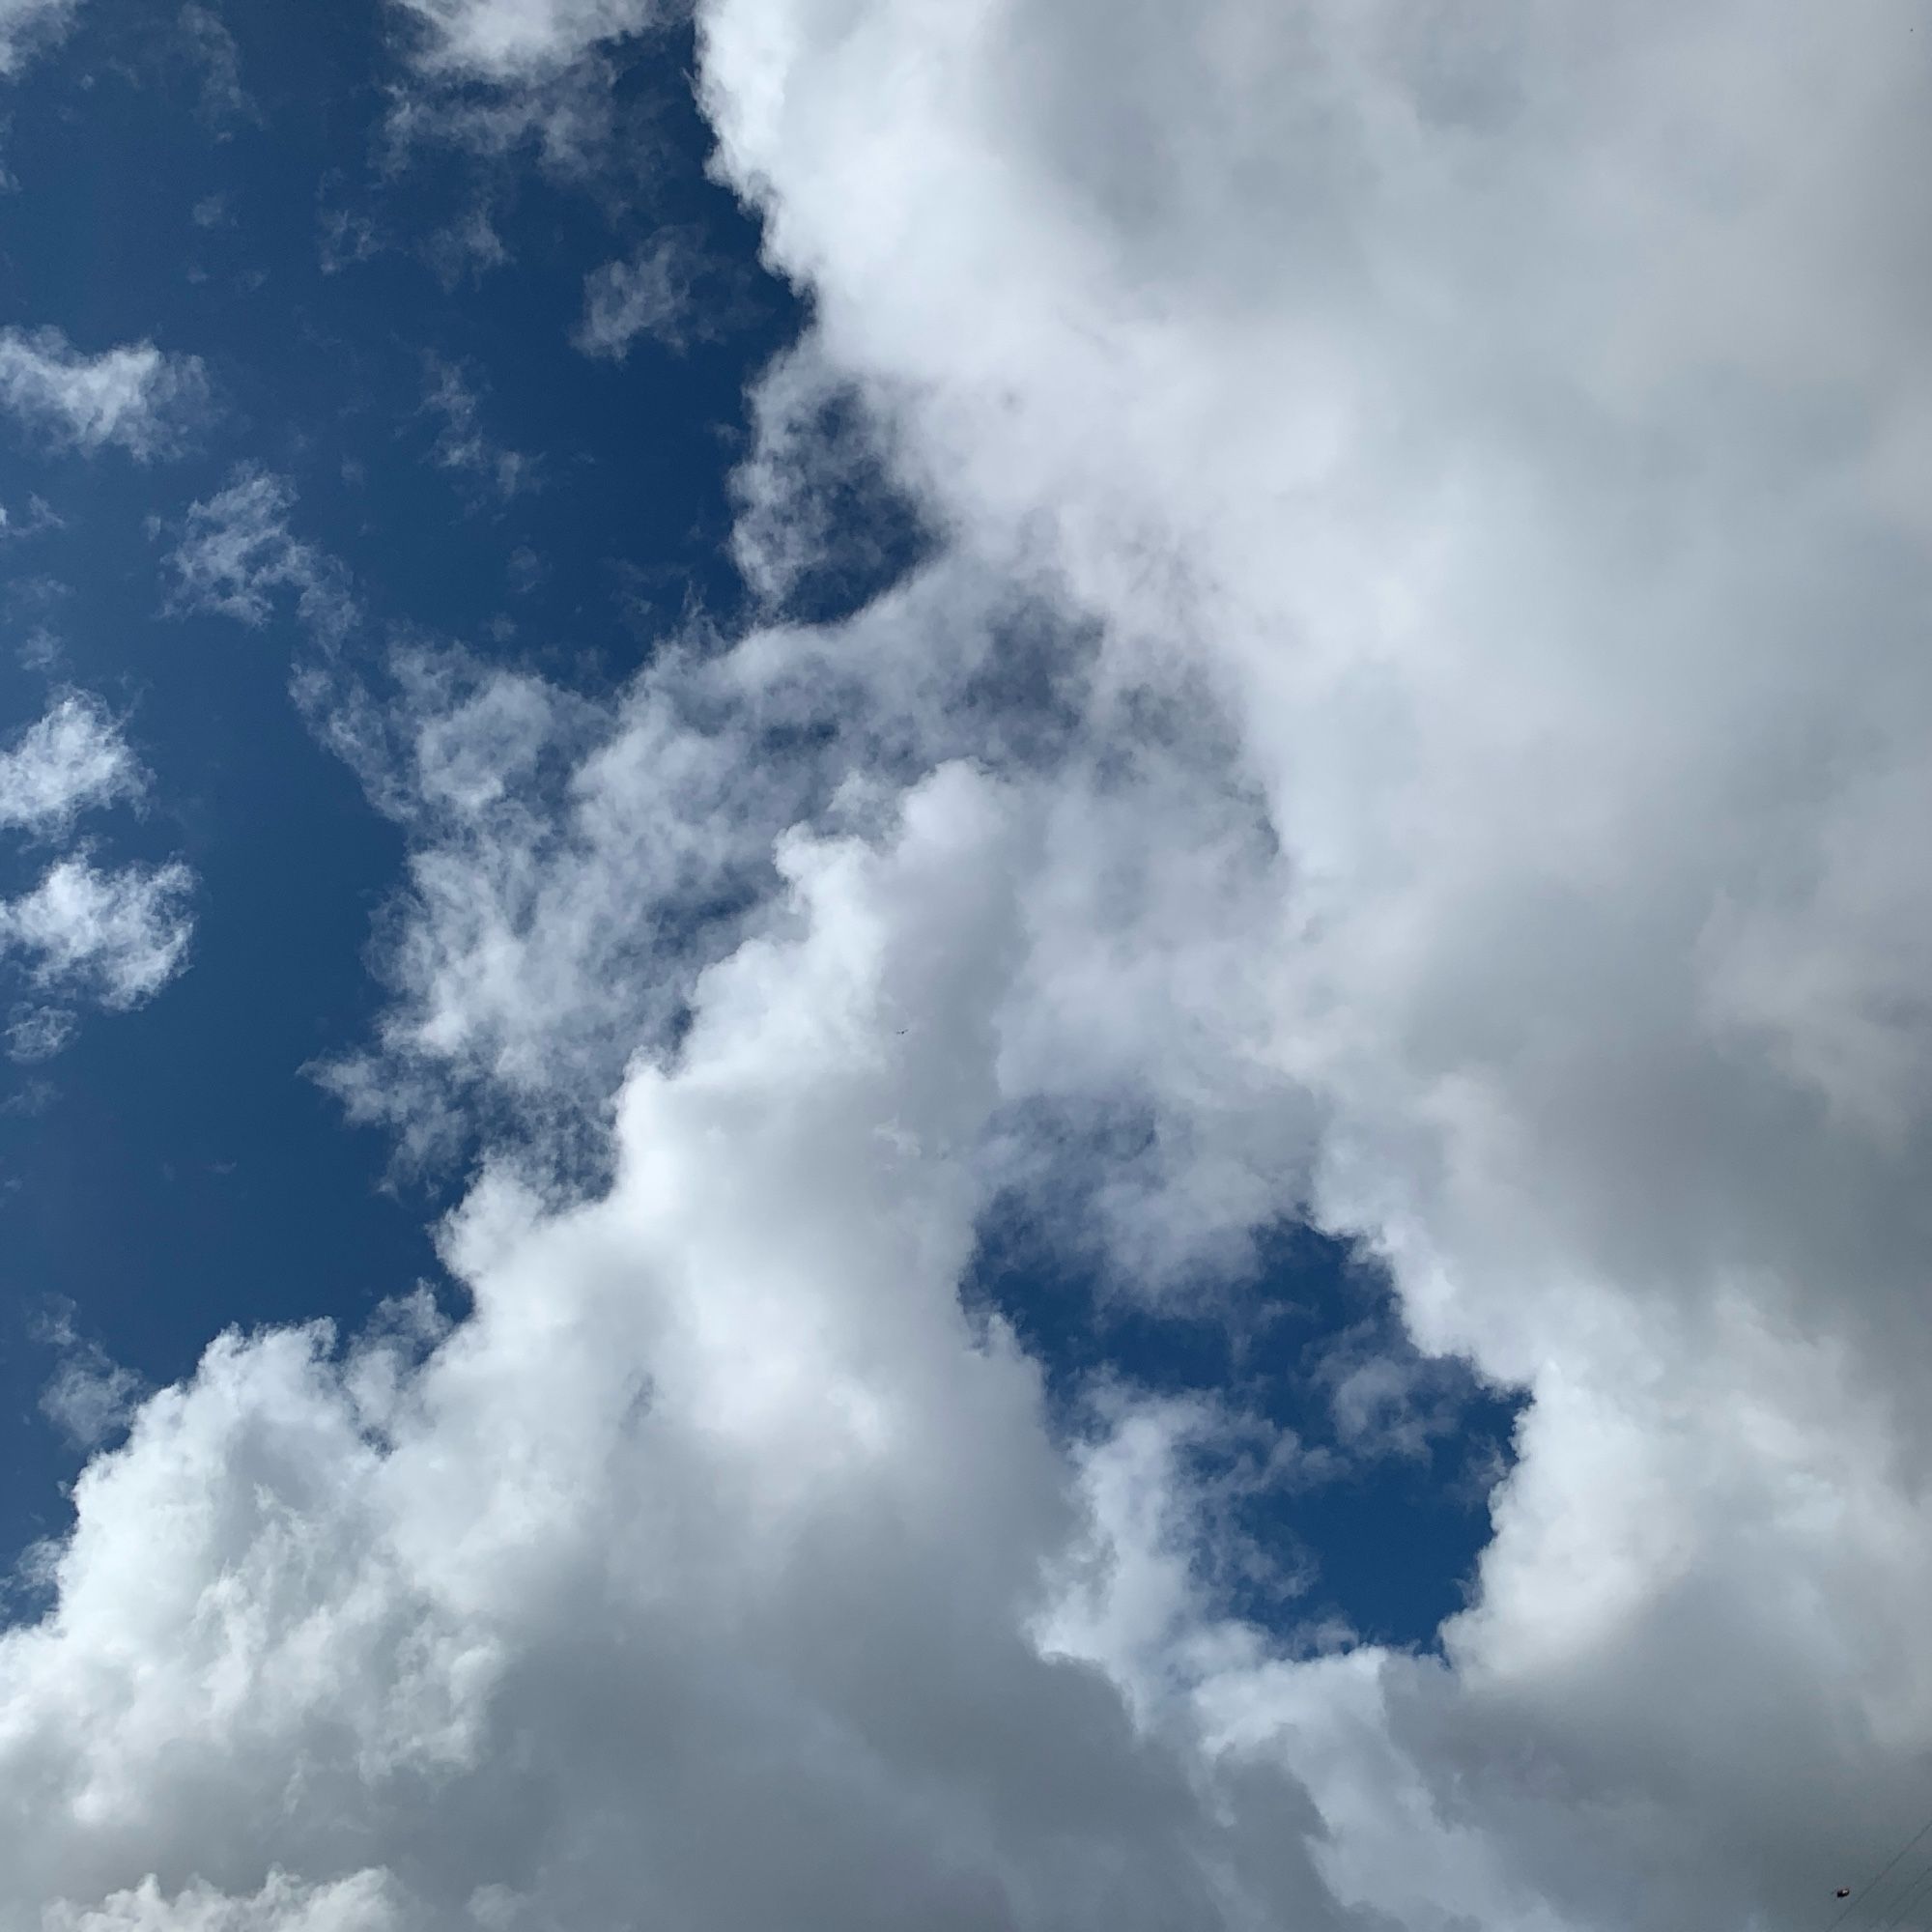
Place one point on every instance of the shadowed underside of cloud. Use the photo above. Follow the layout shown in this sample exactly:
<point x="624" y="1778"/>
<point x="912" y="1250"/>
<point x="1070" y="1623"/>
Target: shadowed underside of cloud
<point x="1417" y="689"/>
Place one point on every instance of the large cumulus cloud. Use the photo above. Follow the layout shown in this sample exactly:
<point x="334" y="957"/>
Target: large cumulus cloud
<point x="1418" y="693"/>
<point x="1507" y="423"/>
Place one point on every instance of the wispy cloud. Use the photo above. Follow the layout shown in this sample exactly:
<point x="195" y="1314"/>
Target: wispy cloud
<point x="134" y="398"/>
<point x="116" y="936"/>
<point x="344" y="235"/>
<point x="90" y="1396"/>
<point x="34" y="1032"/>
<point x="462" y="445"/>
<point x="225" y="99"/>
<point x="516" y="39"/>
<point x="41" y="517"/>
<point x="658" y="293"/>
<point x="72" y="759"/>
<point x="236" y="552"/>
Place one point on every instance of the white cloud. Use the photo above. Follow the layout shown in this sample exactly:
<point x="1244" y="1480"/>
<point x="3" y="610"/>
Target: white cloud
<point x="70" y="760"/>
<point x="236" y="552"/>
<point x="467" y="249"/>
<point x="115" y="936"/>
<point x="26" y="26"/>
<point x="518" y="40"/>
<point x="134" y="398"/>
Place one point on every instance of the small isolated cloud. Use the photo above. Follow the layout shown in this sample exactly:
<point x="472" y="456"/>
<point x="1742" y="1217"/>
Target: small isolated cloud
<point x="90" y="1396"/>
<point x="116" y="937"/>
<point x="236" y="552"/>
<point x="649" y="295"/>
<point x="73" y="758"/>
<point x="462" y="446"/>
<point x="35" y="1034"/>
<point x="213" y="211"/>
<point x="136" y="398"/>
<point x="26" y="27"/>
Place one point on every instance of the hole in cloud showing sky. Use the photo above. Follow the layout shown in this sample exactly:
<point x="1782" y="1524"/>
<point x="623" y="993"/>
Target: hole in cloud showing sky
<point x="965" y="966"/>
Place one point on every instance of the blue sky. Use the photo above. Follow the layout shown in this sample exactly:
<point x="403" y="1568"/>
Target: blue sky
<point x="1058" y="869"/>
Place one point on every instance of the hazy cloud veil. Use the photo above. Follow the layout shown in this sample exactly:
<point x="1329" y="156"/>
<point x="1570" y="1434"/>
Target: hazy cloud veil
<point x="1415" y="682"/>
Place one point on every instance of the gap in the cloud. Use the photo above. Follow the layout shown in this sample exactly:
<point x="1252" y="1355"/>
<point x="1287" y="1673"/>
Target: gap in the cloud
<point x="1379" y="1517"/>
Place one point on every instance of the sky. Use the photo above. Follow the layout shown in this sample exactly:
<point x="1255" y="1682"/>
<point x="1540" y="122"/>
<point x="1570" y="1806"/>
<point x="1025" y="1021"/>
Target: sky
<point x="964" y="966"/>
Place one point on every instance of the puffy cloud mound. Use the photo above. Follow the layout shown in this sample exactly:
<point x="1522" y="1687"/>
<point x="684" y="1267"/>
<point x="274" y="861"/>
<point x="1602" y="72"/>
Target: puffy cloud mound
<point x="235" y="550"/>
<point x="133" y="398"/>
